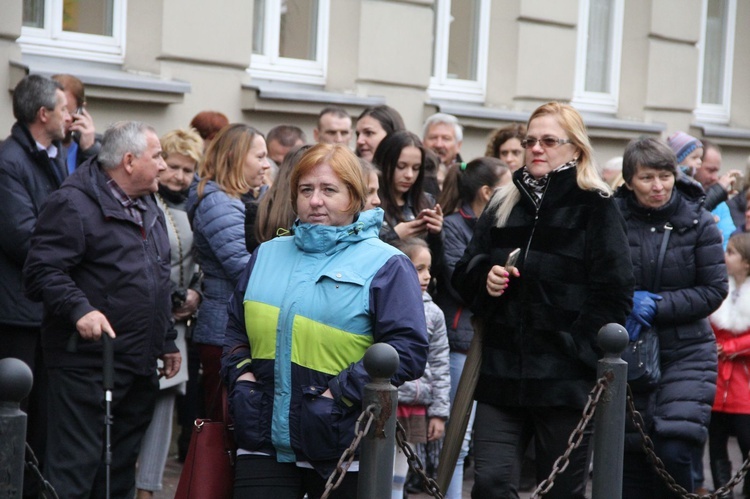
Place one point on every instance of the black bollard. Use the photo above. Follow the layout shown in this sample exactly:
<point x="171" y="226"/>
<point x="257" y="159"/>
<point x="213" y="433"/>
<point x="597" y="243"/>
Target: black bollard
<point x="378" y="446"/>
<point x="15" y="385"/>
<point x="609" y="422"/>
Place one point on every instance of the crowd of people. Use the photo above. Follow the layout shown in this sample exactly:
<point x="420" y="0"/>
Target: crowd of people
<point x="219" y="257"/>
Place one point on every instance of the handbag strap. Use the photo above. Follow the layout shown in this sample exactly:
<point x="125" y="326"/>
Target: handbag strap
<point x="662" y="253"/>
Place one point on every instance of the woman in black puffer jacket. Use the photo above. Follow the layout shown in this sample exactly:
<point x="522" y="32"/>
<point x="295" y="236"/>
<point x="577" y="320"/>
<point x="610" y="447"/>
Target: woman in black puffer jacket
<point x="693" y="284"/>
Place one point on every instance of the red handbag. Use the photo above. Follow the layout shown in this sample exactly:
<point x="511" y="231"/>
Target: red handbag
<point x="208" y="472"/>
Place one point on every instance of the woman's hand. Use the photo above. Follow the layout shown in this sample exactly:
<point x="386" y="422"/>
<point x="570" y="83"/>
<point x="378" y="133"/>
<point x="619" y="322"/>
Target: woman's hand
<point x="433" y="219"/>
<point x="327" y="394"/>
<point x="498" y="278"/>
<point x="412" y="228"/>
<point x="247" y="377"/>
<point x="435" y="429"/>
<point x="83" y="123"/>
<point x="729" y="179"/>
<point x="189" y="306"/>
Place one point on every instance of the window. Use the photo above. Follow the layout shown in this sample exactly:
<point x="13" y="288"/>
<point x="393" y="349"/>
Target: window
<point x="597" y="83"/>
<point x="459" y="68"/>
<point x="290" y="40"/>
<point x="80" y="29"/>
<point x="715" y="67"/>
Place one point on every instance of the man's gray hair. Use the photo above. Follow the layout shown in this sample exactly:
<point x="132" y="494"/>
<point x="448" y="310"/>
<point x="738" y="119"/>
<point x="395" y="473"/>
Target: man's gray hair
<point x="447" y="119"/>
<point x="31" y="94"/>
<point x="121" y="138"/>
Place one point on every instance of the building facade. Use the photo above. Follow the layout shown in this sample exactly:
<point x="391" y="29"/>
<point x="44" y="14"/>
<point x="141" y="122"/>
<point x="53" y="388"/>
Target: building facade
<point x="632" y="67"/>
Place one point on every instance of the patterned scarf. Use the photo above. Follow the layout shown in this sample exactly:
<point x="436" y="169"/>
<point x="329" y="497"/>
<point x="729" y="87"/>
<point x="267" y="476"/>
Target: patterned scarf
<point x="536" y="186"/>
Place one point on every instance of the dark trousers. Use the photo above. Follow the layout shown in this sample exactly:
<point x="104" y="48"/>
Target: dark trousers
<point x="263" y="476"/>
<point x="640" y="481"/>
<point x="24" y="343"/>
<point x="722" y="426"/>
<point x="75" y="449"/>
<point x="500" y="439"/>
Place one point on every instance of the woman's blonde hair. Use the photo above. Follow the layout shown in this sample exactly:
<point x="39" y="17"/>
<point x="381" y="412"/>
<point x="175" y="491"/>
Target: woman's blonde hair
<point x="344" y="164"/>
<point x="587" y="177"/>
<point x="185" y="141"/>
<point x="224" y="160"/>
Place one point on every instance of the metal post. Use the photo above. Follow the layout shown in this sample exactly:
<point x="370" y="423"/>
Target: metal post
<point x="378" y="446"/>
<point x="609" y="422"/>
<point x="15" y="385"/>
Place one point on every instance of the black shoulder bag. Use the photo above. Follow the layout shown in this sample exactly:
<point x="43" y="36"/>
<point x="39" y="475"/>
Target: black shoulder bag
<point x="642" y="355"/>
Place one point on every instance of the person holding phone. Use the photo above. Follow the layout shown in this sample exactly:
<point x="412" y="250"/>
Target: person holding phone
<point x="81" y="140"/>
<point x="541" y="314"/>
<point x="409" y="210"/>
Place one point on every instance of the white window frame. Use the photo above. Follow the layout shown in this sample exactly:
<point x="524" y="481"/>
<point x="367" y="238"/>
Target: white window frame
<point x="443" y="87"/>
<point x="272" y="66"/>
<point x="53" y="41"/>
<point x="717" y="113"/>
<point x="603" y="102"/>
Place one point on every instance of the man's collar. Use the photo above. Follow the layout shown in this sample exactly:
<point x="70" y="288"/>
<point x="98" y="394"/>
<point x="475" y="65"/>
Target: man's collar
<point x="51" y="150"/>
<point x="122" y="196"/>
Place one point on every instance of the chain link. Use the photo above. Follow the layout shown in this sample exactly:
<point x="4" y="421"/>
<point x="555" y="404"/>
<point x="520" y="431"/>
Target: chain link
<point x="648" y="447"/>
<point x="32" y="465"/>
<point x="415" y="464"/>
<point x="575" y="438"/>
<point x="348" y="456"/>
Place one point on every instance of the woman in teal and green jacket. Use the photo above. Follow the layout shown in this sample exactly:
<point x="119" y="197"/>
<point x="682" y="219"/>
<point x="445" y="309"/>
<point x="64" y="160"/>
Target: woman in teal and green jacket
<point x="306" y="308"/>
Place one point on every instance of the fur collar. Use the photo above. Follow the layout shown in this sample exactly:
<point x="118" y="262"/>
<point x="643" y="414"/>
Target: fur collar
<point x="734" y="316"/>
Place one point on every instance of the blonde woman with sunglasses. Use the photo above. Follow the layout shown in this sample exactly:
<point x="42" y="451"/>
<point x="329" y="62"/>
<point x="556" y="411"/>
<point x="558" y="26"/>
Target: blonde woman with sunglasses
<point x="542" y="314"/>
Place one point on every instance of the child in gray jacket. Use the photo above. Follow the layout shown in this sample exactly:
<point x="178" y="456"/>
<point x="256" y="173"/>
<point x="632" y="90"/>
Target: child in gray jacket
<point x="424" y="404"/>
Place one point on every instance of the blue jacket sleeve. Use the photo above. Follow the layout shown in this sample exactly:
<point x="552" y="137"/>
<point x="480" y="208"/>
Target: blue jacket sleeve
<point x="399" y="320"/>
<point x="223" y="225"/>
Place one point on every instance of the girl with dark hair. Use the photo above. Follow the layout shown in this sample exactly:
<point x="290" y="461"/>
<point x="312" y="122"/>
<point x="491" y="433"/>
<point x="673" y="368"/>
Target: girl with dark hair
<point x="409" y="211"/>
<point x="373" y="125"/>
<point x="466" y="191"/>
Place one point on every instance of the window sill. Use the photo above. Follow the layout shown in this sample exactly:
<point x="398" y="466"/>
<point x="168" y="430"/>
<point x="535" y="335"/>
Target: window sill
<point x="108" y="81"/>
<point x="598" y="125"/>
<point x="720" y="132"/>
<point x="274" y="96"/>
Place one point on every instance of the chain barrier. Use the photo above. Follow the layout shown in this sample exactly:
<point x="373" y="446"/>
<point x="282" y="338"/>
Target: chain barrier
<point x="348" y="455"/>
<point x="415" y="464"/>
<point x="648" y="447"/>
<point x="575" y="438"/>
<point x="32" y="466"/>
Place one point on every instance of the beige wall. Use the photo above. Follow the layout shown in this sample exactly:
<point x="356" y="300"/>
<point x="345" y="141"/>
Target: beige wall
<point x="383" y="50"/>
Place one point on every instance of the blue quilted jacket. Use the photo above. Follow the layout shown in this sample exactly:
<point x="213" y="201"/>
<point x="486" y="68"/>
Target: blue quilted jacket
<point x="218" y="223"/>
